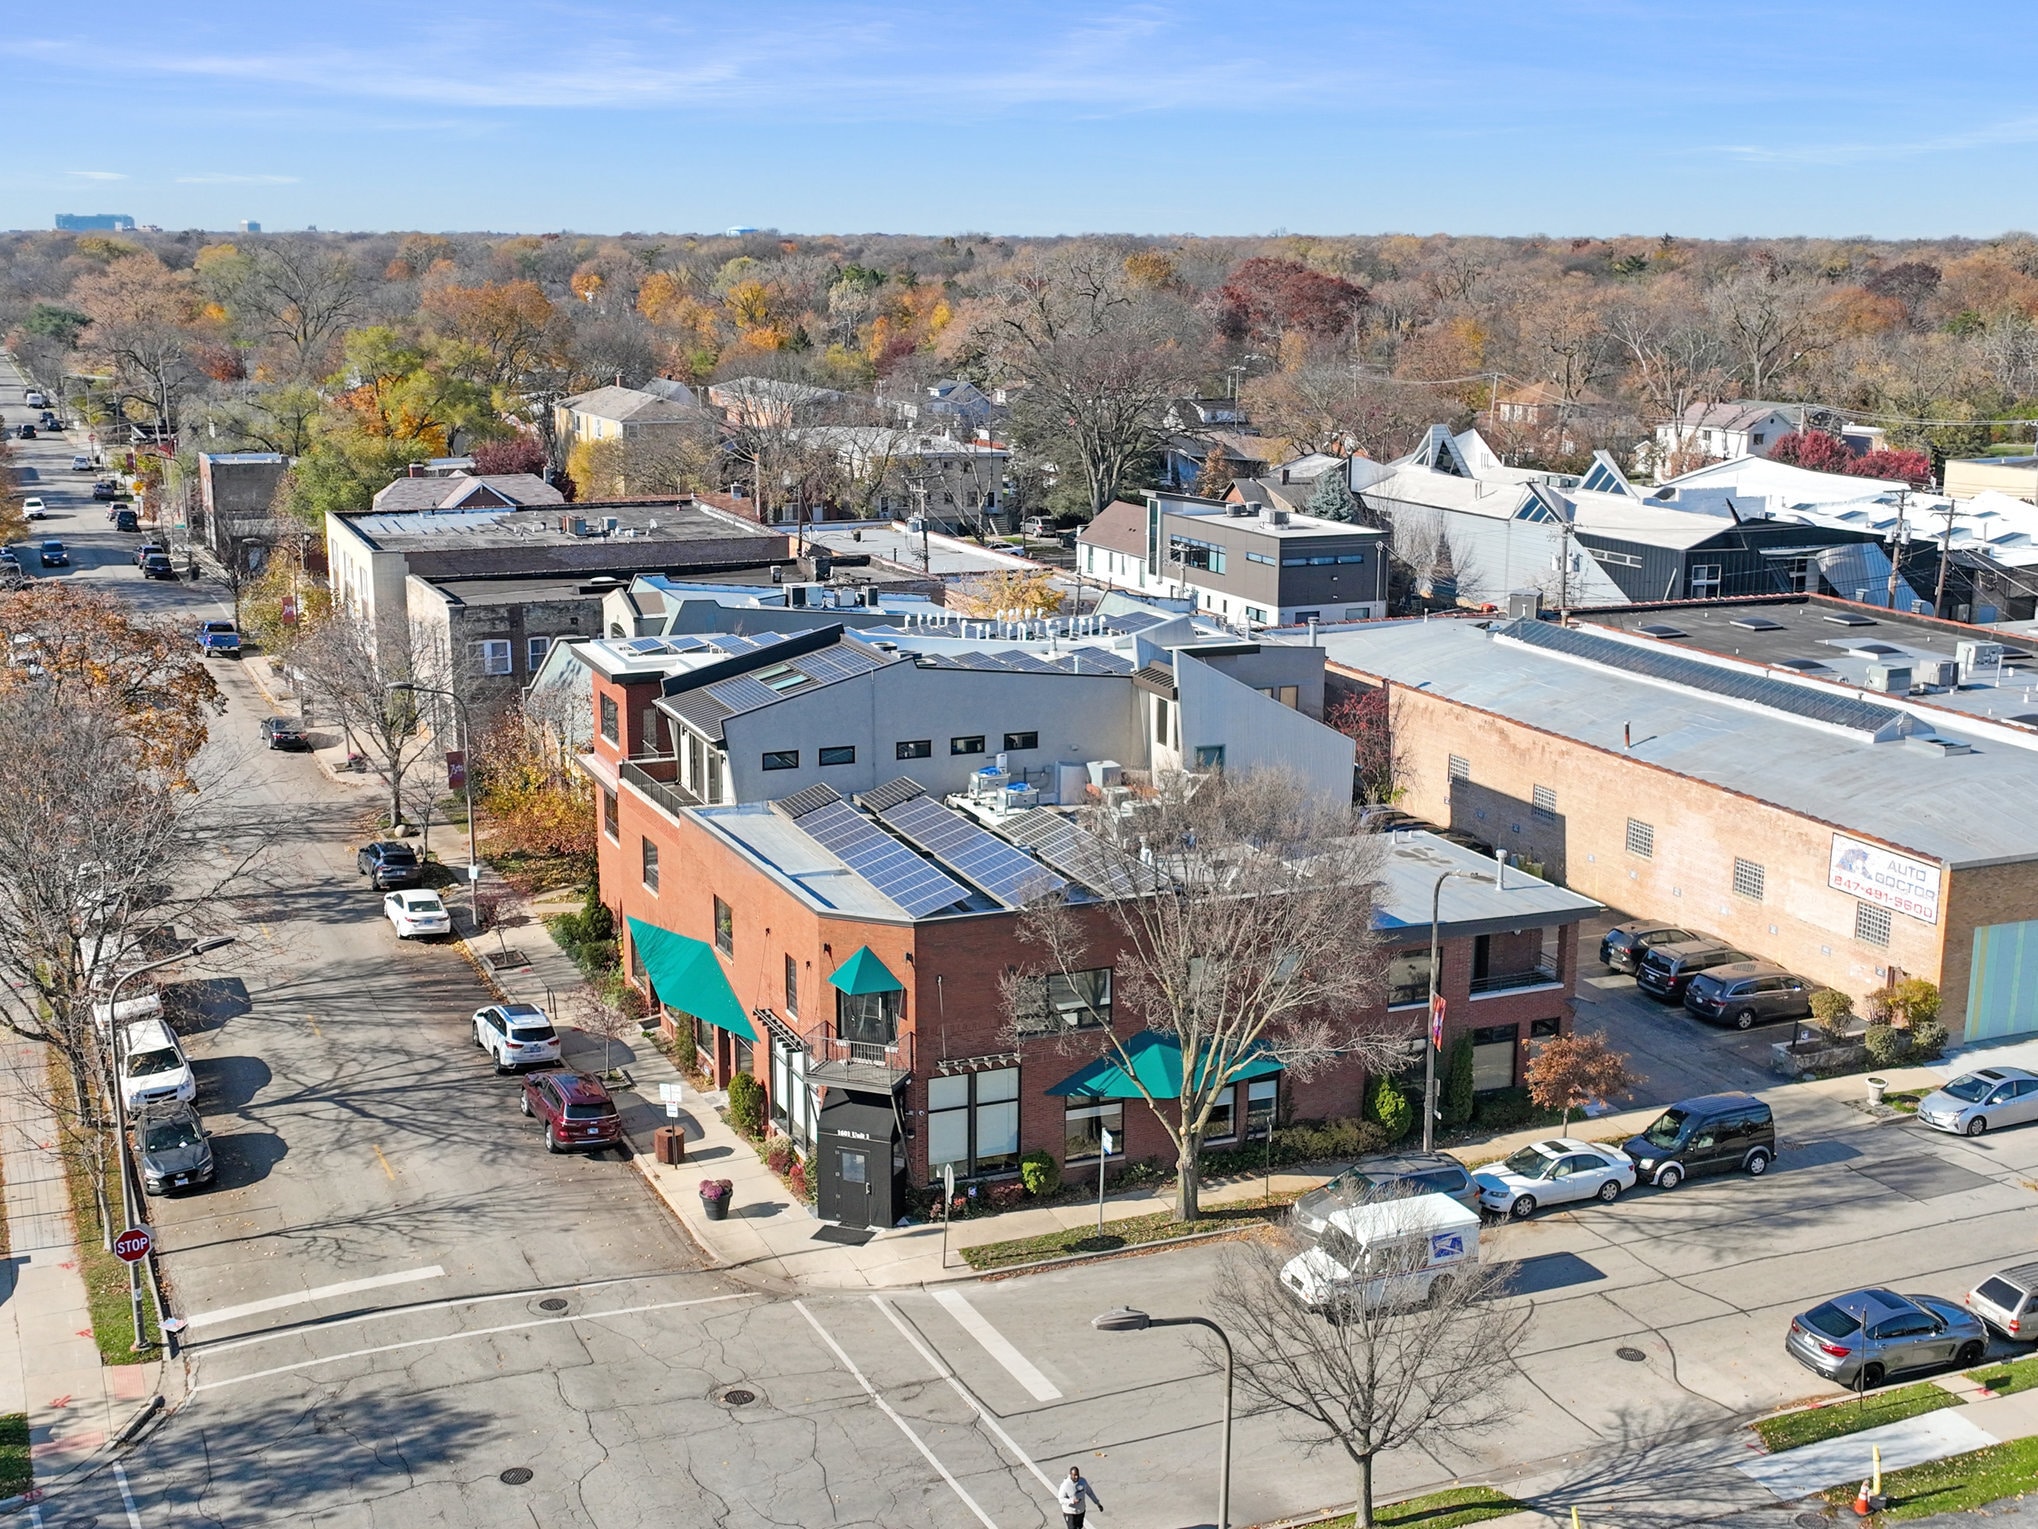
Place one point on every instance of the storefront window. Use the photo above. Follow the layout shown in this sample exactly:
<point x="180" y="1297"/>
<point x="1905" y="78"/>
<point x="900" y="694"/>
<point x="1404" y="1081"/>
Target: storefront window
<point x="1223" y="1122"/>
<point x="973" y="1122"/>
<point x="1262" y="1099"/>
<point x="1083" y="1124"/>
<point x="792" y="1109"/>
<point x="1493" y="1057"/>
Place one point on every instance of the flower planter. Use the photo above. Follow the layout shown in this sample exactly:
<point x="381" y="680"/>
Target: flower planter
<point x="1825" y="1057"/>
<point x="1876" y="1087"/>
<point x="715" y="1196"/>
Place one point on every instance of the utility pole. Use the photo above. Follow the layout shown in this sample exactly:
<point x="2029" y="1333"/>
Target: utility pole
<point x="1945" y="543"/>
<point x="1903" y="536"/>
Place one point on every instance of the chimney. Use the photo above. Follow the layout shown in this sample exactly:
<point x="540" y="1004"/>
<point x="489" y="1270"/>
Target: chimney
<point x="416" y="470"/>
<point x="1284" y="475"/>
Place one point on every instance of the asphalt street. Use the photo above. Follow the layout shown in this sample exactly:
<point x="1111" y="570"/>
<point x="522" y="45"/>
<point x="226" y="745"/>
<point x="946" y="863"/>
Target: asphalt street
<point x="406" y="1313"/>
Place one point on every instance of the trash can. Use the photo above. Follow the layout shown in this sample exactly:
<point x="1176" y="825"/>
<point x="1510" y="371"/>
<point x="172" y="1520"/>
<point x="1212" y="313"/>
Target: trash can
<point x="668" y="1145"/>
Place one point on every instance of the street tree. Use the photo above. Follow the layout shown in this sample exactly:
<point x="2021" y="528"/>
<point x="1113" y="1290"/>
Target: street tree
<point x="358" y="670"/>
<point x="1568" y="1072"/>
<point x="1026" y="596"/>
<point x="143" y="321"/>
<point x="1373" y="1376"/>
<point x="297" y="296"/>
<point x="1251" y="937"/>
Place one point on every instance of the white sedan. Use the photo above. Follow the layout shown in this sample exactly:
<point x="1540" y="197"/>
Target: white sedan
<point x="414" y="913"/>
<point x="34" y="508"/>
<point x="1553" y="1172"/>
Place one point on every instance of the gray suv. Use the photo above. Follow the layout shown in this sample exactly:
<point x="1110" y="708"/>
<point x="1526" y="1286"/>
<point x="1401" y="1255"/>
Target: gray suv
<point x="1866" y="1334"/>
<point x="1388" y="1176"/>
<point x="1747" y="993"/>
<point x="174" y="1150"/>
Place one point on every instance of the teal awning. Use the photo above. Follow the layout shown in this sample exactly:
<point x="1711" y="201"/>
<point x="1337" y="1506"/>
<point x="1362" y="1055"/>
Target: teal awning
<point x="688" y="978"/>
<point x="1157" y="1062"/>
<point x="864" y="973"/>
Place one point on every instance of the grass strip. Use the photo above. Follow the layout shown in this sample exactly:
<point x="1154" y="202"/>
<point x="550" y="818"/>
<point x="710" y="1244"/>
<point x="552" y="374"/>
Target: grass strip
<point x="1135" y="1231"/>
<point x="2008" y="1378"/>
<point x="106" y="1277"/>
<point x="1439" y="1510"/>
<point x="16" y="1475"/>
<point x="1952" y="1485"/>
<point x="1814" y="1424"/>
<point x="1905" y="1102"/>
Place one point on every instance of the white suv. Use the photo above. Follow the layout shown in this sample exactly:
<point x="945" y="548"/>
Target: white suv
<point x="154" y="1069"/>
<point x="515" y="1035"/>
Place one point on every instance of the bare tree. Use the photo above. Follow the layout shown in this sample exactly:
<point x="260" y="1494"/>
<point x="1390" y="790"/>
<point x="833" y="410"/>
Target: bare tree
<point x="1421" y="542"/>
<point x="300" y="296"/>
<point x="1386" y="1366"/>
<point x="1768" y="318"/>
<point x="364" y="674"/>
<point x="1251" y="935"/>
<point x="1677" y="360"/>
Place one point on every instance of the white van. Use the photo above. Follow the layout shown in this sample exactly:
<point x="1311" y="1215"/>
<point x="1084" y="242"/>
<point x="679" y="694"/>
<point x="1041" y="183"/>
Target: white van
<point x="1390" y="1252"/>
<point x="153" y="1066"/>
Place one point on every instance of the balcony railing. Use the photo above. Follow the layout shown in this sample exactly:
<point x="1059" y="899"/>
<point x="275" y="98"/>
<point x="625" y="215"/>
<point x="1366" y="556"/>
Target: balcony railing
<point x="668" y="794"/>
<point x="1542" y="974"/>
<point x="879" y="1066"/>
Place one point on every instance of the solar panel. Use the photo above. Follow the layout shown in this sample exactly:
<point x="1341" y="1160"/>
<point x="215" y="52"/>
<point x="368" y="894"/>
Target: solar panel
<point x="881" y="860"/>
<point x="890" y="794"/>
<point x="800" y="803"/>
<point x="1076" y="854"/>
<point x="955" y="841"/>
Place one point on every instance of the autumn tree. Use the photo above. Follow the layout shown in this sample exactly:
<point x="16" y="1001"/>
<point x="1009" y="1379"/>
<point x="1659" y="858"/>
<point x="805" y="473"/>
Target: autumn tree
<point x="533" y="797"/>
<point x="362" y="674"/>
<point x="1366" y="717"/>
<point x="1266" y="300"/>
<point x="1768" y="318"/>
<point x="1814" y="450"/>
<point x="521" y="452"/>
<point x="506" y="326"/>
<point x="1567" y="1072"/>
<point x="295" y="296"/>
<point x="143" y="317"/>
<point x="1213" y="481"/>
<point x="1015" y="594"/>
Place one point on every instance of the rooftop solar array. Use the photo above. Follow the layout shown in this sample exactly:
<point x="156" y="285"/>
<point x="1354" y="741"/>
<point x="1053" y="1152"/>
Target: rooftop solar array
<point x="873" y="854"/>
<point x="1006" y="873"/>
<point x="1078" y="855"/>
<point x="1657" y="664"/>
<point x="889" y="794"/>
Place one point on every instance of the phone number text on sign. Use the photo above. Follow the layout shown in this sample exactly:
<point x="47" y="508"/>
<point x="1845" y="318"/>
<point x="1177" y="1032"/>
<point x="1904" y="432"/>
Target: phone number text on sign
<point x="1885" y="878"/>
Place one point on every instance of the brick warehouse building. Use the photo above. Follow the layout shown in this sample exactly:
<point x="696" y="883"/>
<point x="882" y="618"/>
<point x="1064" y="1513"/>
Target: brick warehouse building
<point x="851" y="957"/>
<point x="1774" y="783"/>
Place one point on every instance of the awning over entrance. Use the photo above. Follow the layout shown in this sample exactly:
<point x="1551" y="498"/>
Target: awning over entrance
<point x="688" y="978"/>
<point x="1157" y="1063"/>
<point x="864" y="973"/>
<point x="858" y="1117"/>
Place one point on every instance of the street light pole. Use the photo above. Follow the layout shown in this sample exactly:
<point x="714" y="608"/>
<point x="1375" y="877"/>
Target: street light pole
<point x="1128" y="1319"/>
<point x="119" y="1033"/>
<point x="1433" y="1031"/>
<point x="466" y="785"/>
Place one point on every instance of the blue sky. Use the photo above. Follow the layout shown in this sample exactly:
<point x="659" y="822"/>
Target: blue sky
<point x="1028" y="116"/>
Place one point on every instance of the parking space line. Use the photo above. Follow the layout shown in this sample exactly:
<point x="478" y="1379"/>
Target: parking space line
<point x="962" y="1391"/>
<point x="998" y="1346"/>
<point x="321" y="1293"/>
<point x="134" y="1519"/>
<point x="885" y="1407"/>
<point x="376" y="1147"/>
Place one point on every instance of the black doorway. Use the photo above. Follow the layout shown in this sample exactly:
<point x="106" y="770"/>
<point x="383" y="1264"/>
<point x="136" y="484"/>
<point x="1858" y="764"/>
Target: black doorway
<point x="858" y="1185"/>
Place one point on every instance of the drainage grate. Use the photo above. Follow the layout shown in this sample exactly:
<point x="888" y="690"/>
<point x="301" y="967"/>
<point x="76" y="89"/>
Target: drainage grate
<point x="1812" y="1521"/>
<point x="1631" y="1355"/>
<point x="552" y="1303"/>
<point x="515" y="1476"/>
<point x="736" y="1396"/>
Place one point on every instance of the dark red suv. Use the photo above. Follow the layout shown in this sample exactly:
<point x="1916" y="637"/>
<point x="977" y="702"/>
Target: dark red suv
<point x="575" y="1109"/>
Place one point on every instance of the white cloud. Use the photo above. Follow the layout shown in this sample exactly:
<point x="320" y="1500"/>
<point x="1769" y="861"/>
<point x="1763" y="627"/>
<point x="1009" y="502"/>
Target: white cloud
<point x="218" y="179"/>
<point x="97" y="175"/>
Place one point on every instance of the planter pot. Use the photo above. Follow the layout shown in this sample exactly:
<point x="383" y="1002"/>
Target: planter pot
<point x="1876" y="1087"/>
<point x="716" y="1206"/>
<point x="1793" y="1063"/>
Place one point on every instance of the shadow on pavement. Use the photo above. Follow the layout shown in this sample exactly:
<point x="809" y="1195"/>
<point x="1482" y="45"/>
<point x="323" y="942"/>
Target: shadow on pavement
<point x="245" y="1158"/>
<point x="1551" y="1271"/>
<point x="230" y="1082"/>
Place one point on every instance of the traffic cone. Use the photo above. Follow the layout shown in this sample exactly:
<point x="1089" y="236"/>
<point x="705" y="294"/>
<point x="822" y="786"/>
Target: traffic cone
<point x="1861" y="1501"/>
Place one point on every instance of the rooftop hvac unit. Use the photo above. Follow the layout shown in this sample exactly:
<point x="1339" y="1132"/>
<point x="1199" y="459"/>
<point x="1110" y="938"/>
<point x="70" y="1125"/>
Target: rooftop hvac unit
<point x="1277" y="517"/>
<point x="1980" y="662"/>
<point x="609" y="524"/>
<point x="1891" y="679"/>
<point x="1935" y="671"/>
<point x="1241" y="511"/>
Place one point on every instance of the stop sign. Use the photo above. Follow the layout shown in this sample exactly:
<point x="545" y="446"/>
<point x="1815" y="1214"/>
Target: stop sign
<point x="132" y="1245"/>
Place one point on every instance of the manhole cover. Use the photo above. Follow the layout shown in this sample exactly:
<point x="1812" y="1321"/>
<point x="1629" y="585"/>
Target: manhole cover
<point x="515" y="1476"/>
<point x="1811" y="1521"/>
<point x="736" y="1396"/>
<point x="552" y="1303"/>
<point x="1631" y="1355"/>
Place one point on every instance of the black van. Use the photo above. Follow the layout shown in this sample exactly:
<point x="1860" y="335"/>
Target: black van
<point x="126" y="520"/>
<point x="1666" y="970"/>
<point x="1718" y="1133"/>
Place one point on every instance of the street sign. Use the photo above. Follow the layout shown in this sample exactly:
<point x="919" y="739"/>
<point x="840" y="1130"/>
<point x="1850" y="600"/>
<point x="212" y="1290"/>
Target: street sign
<point x="132" y="1245"/>
<point x="671" y="1093"/>
<point x="474" y="873"/>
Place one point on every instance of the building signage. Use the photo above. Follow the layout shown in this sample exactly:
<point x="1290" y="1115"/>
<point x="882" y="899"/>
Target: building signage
<point x="1885" y="878"/>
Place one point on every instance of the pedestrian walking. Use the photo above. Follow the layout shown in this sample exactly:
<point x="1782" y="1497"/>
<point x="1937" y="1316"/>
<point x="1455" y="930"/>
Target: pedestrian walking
<point x="1071" y="1493"/>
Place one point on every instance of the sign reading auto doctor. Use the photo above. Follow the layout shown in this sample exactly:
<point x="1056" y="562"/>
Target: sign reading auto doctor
<point x="1885" y="878"/>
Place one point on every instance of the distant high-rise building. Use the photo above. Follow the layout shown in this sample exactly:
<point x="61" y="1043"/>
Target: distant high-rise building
<point x="250" y="226"/>
<point x="110" y="222"/>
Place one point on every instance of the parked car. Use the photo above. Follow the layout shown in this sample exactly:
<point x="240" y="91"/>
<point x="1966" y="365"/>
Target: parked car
<point x="1390" y="1253"/>
<point x="126" y="520"/>
<point x="1666" y="970"/>
<point x="1979" y="1101"/>
<point x="1037" y="525"/>
<point x="148" y="550"/>
<point x="34" y="509"/>
<point x="1866" y="1334"/>
<point x="388" y="863"/>
<point x="34" y="399"/>
<point x="105" y="488"/>
<point x="1385" y="1177"/>
<point x="55" y="555"/>
<point x="10" y="559"/>
<point x="81" y="464"/>
<point x="2007" y="1301"/>
<point x="24" y="432"/>
<point x="157" y="565"/>
<point x="49" y="421"/>
<point x="1623" y="946"/>
<point x="1747" y="993"/>
<point x="219" y="638"/>
<point x="515" y="1035"/>
<point x="285" y="733"/>
<point x="1714" y="1133"/>
<point x="415" y="913"/>
<point x="173" y="1148"/>
<point x="575" y="1110"/>
<point x="154" y="1070"/>
<point x="1553" y="1172"/>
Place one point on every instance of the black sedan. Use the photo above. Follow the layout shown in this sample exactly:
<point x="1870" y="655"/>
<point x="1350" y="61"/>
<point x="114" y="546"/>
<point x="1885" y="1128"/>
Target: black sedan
<point x="159" y="566"/>
<point x="1623" y="946"/>
<point x="283" y="733"/>
<point x="55" y="555"/>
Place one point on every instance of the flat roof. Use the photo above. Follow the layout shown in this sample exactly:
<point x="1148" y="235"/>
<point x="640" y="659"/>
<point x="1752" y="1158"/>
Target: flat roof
<point x="424" y="530"/>
<point x="1472" y="903"/>
<point x="1973" y="805"/>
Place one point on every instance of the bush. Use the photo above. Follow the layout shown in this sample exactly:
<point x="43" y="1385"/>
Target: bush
<point x="1834" y="1011"/>
<point x="778" y="1154"/>
<point x="1504" y="1109"/>
<point x="1455" y="1098"/>
<point x="1887" y="1045"/>
<point x="1928" y="1039"/>
<point x="1006" y="1194"/>
<point x="1915" y="1002"/>
<point x="1388" y="1108"/>
<point x="1040" y="1173"/>
<point x="746" y="1105"/>
<point x="1302" y="1141"/>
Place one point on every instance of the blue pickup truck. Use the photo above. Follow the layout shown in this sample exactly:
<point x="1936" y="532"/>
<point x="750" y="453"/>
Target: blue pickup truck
<point x="219" y="639"/>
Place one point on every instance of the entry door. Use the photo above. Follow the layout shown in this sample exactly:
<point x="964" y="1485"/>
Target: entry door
<point x="852" y="1185"/>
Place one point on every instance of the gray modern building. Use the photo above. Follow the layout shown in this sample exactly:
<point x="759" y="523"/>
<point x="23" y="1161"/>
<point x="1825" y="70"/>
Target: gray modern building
<point x="237" y="492"/>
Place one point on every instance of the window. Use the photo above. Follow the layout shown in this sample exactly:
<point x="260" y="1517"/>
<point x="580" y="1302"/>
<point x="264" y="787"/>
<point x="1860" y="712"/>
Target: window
<point x="1259" y="557"/>
<point x="1077" y="1001"/>
<point x="1617" y="559"/>
<point x="792" y="988"/>
<point x="1160" y="720"/>
<point x="1493" y="1057"/>
<point x="650" y="856"/>
<point x="781" y="759"/>
<point x="1748" y="879"/>
<point x="841" y="754"/>
<point x="1641" y="839"/>
<point x="1210" y="756"/>
<point x="916" y="748"/>
<point x="1255" y="613"/>
<point x="1545" y="1028"/>
<point x="1223" y="1122"/>
<point x="1458" y="767"/>
<point x="1083" y="1123"/>
<point x="1705" y="580"/>
<point x="1543" y="803"/>
<point x="1288" y="695"/>
<point x="1089" y="559"/>
<point x="1261" y="1101"/>
<point x="611" y="718"/>
<point x="868" y="1019"/>
<point x="972" y="745"/>
<point x="1871" y="924"/>
<point x="973" y="1122"/>
<point x="1758" y="438"/>
<point x="492" y="657"/>
<point x="608" y="816"/>
<point x="725" y="928"/>
<point x="1191" y="552"/>
<point x="535" y="649"/>
<point x="1017" y="741"/>
<point x="791" y="1100"/>
<point x="1408" y="977"/>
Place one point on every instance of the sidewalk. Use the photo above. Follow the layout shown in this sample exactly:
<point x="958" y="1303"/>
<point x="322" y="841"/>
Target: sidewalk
<point x="329" y="742"/>
<point x="53" y="1374"/>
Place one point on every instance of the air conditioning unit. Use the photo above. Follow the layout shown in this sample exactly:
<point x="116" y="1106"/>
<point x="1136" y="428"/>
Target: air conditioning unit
<point x="1980" y="662"/>
<point x="1891" y="679"/>
<point x="1277" y="517"/>
<point x="1936" y="671"/>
